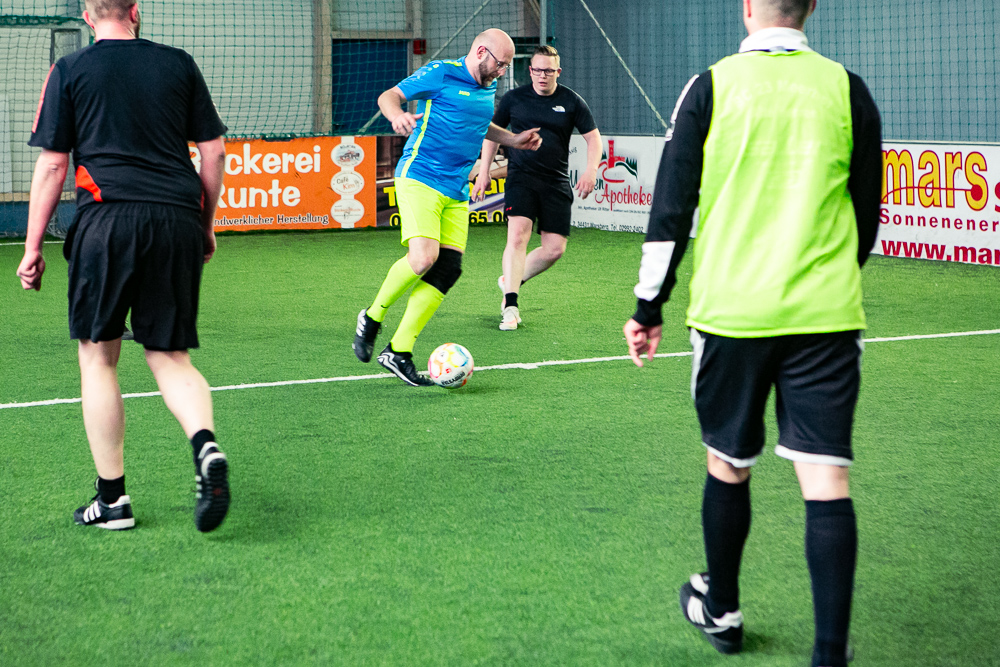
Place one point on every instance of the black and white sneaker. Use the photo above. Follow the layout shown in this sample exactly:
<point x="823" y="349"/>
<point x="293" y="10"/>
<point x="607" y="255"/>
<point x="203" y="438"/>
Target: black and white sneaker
<point x="116" y="516"/>
<point x="401" y="364"/>
<point x="212" y="493"/>
<point x="725" y="634"/>
<point x="365" y="335"/>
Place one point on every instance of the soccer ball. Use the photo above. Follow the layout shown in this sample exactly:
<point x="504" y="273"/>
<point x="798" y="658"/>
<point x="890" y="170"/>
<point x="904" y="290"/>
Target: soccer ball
<point x="450" y="366"/>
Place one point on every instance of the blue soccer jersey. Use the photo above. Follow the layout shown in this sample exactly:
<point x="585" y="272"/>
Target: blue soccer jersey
<point x="449" y="137"/>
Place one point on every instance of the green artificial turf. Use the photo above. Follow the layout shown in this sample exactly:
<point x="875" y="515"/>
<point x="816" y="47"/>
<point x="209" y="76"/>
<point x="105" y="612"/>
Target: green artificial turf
<point x="538" y="516"/>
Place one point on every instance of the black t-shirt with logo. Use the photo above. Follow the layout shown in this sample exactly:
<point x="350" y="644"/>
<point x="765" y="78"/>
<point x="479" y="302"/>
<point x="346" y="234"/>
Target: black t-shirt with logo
<point x="556" y="114"/>
<point x="127" y="110"/>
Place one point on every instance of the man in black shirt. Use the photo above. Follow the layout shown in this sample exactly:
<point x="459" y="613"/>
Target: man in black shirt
<point x="126" y="108"/>
<point x="538" y="185"/>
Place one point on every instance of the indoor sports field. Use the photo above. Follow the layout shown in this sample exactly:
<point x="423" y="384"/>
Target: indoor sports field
<point x="544" y="514"/>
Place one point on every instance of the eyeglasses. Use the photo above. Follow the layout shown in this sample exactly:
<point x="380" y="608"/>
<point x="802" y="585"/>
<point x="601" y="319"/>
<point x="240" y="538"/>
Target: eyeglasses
<point x="502" y="66"/>
<point x="542" y="71"/>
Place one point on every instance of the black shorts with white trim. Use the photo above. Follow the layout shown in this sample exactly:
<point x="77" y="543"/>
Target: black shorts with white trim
<point x="816" y="379"/>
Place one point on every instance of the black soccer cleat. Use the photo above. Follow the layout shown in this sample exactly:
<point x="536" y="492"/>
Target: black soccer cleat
<point x="116" y="516"/>
<point x="212" y="493"/>
<point x="401" y="365"/>
<point x="365" y="335"/>
<point x="725" y="634"/>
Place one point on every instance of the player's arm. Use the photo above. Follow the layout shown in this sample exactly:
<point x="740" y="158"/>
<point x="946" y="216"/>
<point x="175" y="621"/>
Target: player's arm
<point x="213" y="164"/>
<point x="675" y="199"/>
<point x="390" y="103"/>
<point x="865" y="181"/>
<point x="588" y="179"/>
<point x="529" y="140"/>
<point x="484" y="178"/>
<point x="46" y="189"/>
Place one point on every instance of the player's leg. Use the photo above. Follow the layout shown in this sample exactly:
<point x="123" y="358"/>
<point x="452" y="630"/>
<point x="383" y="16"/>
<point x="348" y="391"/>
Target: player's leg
<point x="428" y="293"/>
<point x="731" y="379"/>
<point x="104" y="422"/>
<point x="555" y="215"/>
<point x="101" y="266"/>
<point x="515" y="252"/>
<point x="184" y="389"/>
<point x="419" y="212"/>
<point x="544" y="256"/>
<point x="521" y="206"/>
<point x="817" y="394"/>
<point x="518" y="235"/>
<point x="164" y="319"/>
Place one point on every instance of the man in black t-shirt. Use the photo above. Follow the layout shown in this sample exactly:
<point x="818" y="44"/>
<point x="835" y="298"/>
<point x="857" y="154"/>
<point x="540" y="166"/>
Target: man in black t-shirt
<point x="538" y="186"/>
<point x="126" y="109"/>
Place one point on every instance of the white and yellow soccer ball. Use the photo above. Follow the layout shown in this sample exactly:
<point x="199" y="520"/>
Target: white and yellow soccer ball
<point x="450" y="366"/>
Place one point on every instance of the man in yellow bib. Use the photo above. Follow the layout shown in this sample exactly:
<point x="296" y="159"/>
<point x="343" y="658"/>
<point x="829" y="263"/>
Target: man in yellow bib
<point x="454" y="110"/>
<point x="780" y="151"/>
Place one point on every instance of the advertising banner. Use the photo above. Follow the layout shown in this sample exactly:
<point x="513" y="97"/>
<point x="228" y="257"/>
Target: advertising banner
<point x="625" y="178"/>
<point x="310" y="183"/>
<point x="941" y="202"/>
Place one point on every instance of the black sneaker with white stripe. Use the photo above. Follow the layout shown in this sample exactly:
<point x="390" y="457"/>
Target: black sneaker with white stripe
<point x="116" y="516"/>
<point x="365" y="335"/>
<point x="725" y="634"/>
<point x="401" y="364"/>
<point x="212" y="494"/>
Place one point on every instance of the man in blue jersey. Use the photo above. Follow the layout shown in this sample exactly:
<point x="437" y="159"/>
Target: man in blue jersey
<point x="454" y="110"/>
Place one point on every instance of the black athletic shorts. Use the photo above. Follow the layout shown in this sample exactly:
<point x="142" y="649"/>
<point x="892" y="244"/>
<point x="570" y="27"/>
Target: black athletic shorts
<point x="142" y="257"/>
<point x="816" y="379"/>
<point x="550" y="205"/>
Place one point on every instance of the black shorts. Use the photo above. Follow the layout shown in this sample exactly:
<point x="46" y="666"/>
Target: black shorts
<point x="816" y="379"/>
<point x="550" y="205"/>
<point x="142" y="257"/>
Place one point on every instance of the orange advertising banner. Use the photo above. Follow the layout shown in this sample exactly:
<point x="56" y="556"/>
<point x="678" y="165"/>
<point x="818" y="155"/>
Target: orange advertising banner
<point x="310" y="183"/>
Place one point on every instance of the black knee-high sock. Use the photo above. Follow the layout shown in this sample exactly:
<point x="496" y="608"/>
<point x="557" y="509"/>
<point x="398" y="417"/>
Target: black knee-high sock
<point x="831" y="551"/>
<point x="725" y="520"/>
<point x="198" y="441"/>
<point x="111" y="490"/>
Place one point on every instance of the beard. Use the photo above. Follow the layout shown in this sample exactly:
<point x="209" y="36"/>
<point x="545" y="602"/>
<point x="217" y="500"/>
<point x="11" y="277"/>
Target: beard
<point x="486" y="74"/>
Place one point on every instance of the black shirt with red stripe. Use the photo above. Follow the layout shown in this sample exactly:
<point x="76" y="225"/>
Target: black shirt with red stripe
<point x="127" y="109"/>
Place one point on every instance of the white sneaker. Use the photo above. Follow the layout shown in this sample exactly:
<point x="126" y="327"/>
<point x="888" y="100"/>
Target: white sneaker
<point x="511" y="318"/>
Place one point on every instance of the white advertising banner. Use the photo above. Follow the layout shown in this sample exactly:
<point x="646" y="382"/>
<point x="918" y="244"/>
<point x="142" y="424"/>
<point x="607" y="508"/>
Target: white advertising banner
<point x="941" y="202"/>
<point x="625" y="179"/>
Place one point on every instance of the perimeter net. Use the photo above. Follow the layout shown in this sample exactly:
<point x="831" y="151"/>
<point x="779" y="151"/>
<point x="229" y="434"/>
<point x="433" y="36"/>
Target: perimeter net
<point x="312" y="67"/>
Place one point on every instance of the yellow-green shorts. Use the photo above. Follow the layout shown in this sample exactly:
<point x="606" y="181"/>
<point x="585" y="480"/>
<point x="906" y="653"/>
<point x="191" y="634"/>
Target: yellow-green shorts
<point x="423" y="211"/>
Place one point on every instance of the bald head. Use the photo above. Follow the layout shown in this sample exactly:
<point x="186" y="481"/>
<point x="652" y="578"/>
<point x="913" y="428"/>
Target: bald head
<point x="491" y="53"/>
<point x="495" y="40"/>
<point x="778" y="13"/>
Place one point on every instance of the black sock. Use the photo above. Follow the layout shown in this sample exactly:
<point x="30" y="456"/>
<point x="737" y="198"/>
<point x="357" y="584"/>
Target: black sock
<point x="198" y="441"/>
<point x="510" y="299"/>
<point x="395" y="351"/>
<point x="831" y="552"/>
<point x="110" y="490"/>
<point x="725" y="520"/>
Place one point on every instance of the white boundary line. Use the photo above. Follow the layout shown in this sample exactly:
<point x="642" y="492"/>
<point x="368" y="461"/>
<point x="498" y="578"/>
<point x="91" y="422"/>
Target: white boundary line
<point x="500" y="367"/>
<point x="21" y="243"/>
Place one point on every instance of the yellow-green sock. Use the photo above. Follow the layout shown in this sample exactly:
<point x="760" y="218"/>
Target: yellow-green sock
<point x="399" y="279"/>
<point x="423" y="303"/>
